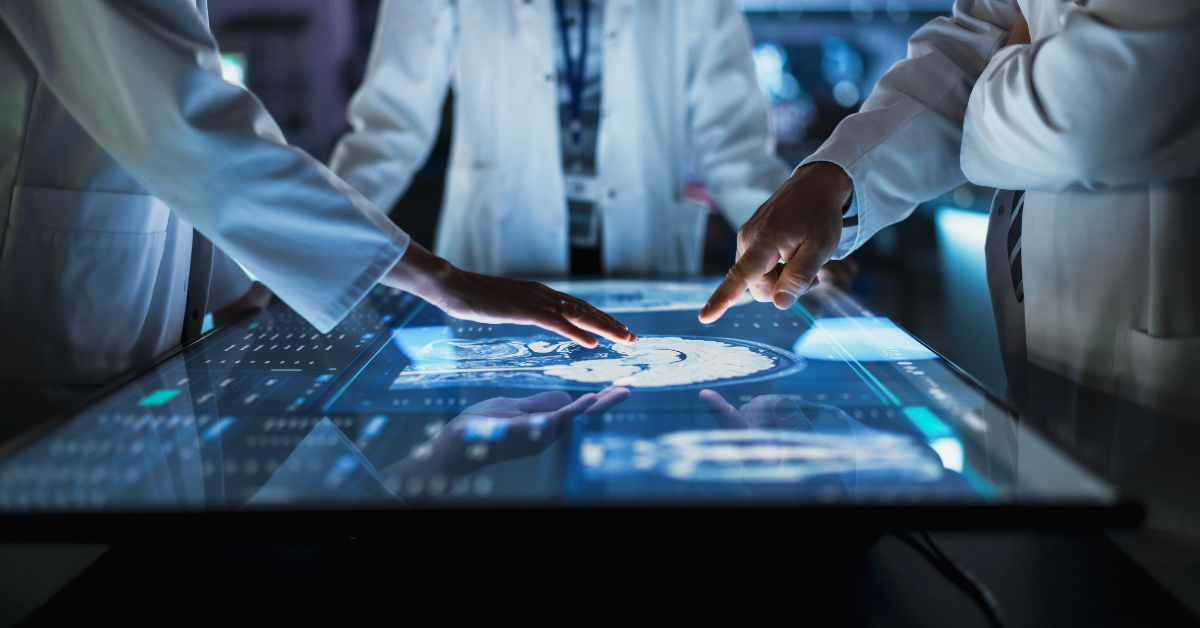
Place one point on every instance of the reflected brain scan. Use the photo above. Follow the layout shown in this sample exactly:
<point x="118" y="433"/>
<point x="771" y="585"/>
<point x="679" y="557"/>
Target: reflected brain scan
<point x="761" y="456"/>
<point x="551" y="362"/>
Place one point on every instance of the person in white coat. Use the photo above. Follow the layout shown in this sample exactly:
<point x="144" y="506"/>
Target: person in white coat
<point x="1089" y="127"/>
<point x="572" y="126"/>
<point x="123" y="155"/>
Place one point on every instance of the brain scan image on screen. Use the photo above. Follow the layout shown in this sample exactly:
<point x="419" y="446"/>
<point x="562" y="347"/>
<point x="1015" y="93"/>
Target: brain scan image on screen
<point x="546" y="362"/>
<point x="616" y="296"/>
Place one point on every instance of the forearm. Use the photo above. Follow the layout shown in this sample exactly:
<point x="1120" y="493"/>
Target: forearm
<point x="422" y="273"/>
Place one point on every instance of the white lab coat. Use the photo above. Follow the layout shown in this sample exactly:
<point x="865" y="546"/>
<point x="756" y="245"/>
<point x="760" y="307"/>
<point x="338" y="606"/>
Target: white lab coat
<point x="678" y="81"/>
<point x="1097" y="120"/>
<point x="118" y="135"/>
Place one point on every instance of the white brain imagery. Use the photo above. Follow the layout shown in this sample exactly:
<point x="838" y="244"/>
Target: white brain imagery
<point x="666" y="361"/>
<point x="545" y="362"/>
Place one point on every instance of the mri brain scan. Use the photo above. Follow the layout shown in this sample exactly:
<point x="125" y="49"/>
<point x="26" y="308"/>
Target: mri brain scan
<point x="550" y="362"/>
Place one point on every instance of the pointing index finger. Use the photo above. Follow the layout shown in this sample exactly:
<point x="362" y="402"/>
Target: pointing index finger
<point x="755" y="262"/>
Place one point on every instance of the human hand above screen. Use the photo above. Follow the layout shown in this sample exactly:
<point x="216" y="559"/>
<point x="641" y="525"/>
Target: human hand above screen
<point x="800" y="223"/>
<point x="484" y="299"/>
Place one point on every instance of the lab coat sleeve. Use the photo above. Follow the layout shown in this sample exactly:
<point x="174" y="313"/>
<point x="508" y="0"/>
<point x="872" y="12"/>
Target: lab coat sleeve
<point x="731" y="134"/>
<point x="902" y="147"/>
<point x="394" y="116"/>
<point x="1092" y="107"/>
<point x="142" y="77"/>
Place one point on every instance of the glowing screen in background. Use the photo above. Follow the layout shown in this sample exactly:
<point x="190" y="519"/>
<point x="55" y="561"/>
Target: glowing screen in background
<point x="861" y="338"/>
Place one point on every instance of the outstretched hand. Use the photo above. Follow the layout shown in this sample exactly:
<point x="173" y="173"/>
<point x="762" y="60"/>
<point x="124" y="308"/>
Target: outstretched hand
<point x="485" y="299"/>
<point x="802" y="224"/>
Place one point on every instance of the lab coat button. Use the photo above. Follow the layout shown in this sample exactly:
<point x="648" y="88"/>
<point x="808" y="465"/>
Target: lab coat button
<point x="612" y="194"/>
<point x="549" y="77"/>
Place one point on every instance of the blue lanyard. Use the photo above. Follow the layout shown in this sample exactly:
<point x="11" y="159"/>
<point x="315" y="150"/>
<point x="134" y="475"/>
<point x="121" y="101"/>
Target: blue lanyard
<point x="575" y="69"/>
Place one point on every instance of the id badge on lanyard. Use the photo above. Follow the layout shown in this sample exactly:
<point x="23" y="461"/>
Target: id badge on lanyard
<point x="584" y="220"/>
<point x="581" y="189"/>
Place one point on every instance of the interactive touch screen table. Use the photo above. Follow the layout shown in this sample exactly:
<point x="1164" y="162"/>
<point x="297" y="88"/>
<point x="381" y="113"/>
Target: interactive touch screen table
<point x="823" y="407"/>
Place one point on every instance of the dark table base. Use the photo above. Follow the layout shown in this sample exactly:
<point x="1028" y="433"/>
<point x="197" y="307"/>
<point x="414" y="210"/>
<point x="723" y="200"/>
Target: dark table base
<point x="838" y="578"/>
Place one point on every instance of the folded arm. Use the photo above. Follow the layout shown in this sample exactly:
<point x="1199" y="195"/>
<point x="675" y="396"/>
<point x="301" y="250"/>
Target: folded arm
<point x="1092" y="107"/>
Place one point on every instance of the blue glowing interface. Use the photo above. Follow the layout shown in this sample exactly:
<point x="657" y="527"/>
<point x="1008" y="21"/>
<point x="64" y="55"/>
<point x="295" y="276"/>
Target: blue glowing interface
<point x="402" y="406"/>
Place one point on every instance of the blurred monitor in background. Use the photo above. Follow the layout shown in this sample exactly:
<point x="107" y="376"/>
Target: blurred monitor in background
<point x="297" y="57"/>
<point x="817" y="60"/>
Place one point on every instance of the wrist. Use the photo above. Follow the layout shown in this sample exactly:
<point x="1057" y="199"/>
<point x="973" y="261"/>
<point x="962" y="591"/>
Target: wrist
<point x="421" y="273"/>
<point x="829" y="178"/>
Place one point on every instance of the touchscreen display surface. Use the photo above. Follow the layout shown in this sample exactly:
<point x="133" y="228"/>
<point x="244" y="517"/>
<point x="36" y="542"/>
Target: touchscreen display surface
<point x="402" y="406"/>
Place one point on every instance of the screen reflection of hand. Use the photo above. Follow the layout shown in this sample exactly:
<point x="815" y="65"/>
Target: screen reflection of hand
<point x="766" y="412"/>
<point x="490" y="432"/>
<point x="804" y="448"/>
<point x="787" y="413"/>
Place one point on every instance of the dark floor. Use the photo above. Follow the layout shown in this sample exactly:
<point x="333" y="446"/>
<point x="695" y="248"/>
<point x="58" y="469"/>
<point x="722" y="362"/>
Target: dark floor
<point x="1037" y="578"/>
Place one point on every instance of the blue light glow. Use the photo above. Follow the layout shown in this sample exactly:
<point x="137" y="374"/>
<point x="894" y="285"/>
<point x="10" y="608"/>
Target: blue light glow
<point x="485" y="428"/>
<point x="372" y="428"/>
<point x="861" y="338"/>
<point x="345" y="465"/>
<point x="218" y="428"/>
<point x="938" y="434"/>
<point x="928" y="423"/>
<point x="411" y="340"/>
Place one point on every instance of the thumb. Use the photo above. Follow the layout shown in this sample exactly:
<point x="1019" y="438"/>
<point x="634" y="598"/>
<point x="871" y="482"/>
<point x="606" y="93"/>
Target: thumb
<point x="799" y="274"/>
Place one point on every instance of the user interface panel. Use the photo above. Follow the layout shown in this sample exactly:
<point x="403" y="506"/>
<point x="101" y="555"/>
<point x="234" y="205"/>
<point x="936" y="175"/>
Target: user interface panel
<point x="402" y="406"/>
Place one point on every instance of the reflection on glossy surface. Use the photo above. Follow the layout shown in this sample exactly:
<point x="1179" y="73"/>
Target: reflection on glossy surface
<point x="271" y="414"/>
<point x="327" y="468"/>
<point x="863" y="338"/>
<point x="774" y="439"/>
<point x="781" y="446"/>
